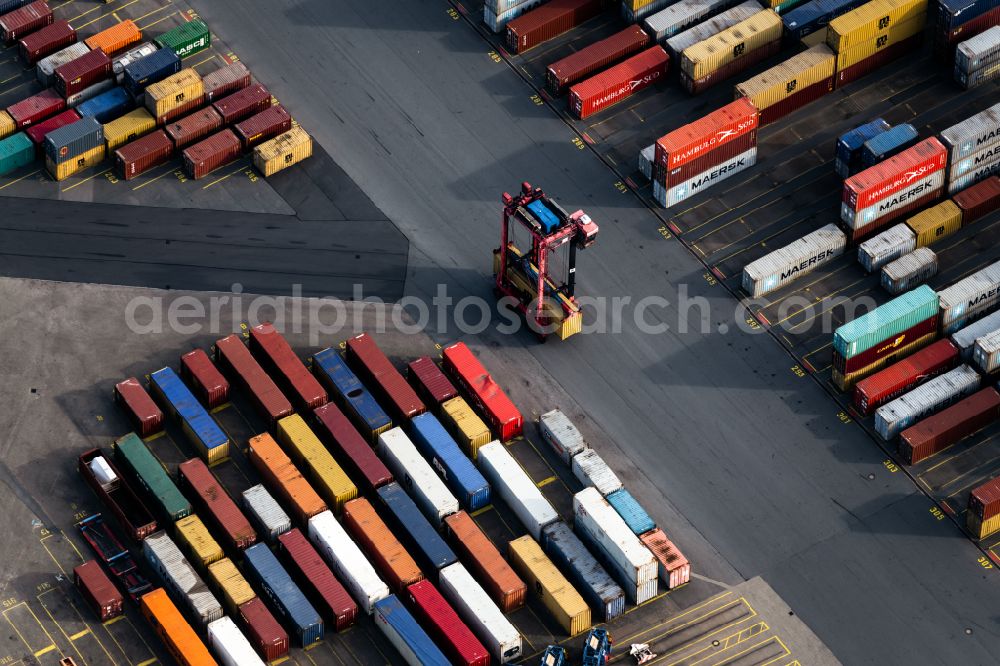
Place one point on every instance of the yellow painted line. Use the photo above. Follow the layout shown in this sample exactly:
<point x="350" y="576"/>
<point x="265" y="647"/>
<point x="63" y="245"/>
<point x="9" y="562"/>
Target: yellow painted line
<point x="10" y="90"/>
<point x="279" y="661"/>
<point x="79" y="634"/>
<point x="170" y="170"/>
<point x="479" y="512"/>
<point x="155" y="11"/>
<point x="42" y="541"/>
<point x="156" y="436"/>
<point x="115" y="14"/>
<point x="228" y="175"/>
<point x="203" y="61"/>
<point x="89" y="11"/>
<point x="110" y="622"/>
<point x="647" y="634"/>
<point x="160" y="20"/>
<point x="67" y="189"/>
<point x="45" y="650"/>
<point x="732" y="658"/>
<point x="545" y="482"/>
<point x="147" y="662"/>
<point x="68" y="2"/>
<point x="11" y="78"/>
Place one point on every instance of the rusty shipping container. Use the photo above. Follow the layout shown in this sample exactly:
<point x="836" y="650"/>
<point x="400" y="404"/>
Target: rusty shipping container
<point x="36" y="108"/>
<point x="209" y="154"/>
<point x="85" y="71"/>
<point x="201" y="374"/>
<point x="939" y="431"/>
<point x="98" y="590"/>
<point x="561" y="74"/>
<point x="984" y="501"/>
<point x="216" y="504"/>
<point x="619" y="82"/>
<point x="36" y="45"/>
<point x="25" y="20"/>
<point x="139" y="156"/>
<point x="485" y="562"/>
<point x="265" y="125"/>
<point x="243" y="104"/>
<point x="979" y="200"/>
<point x="279" y="360"/>
<point x="225" y="81"/>
<point x="317" y="581"/>
<point x="550" y="20"/>
<point x="385" y="551"/>
<point x="193" y="127"/>
<point x="142" y="411"/>
<point x="235" y="360"/>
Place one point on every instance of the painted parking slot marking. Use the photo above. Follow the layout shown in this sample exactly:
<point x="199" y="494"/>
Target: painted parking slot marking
<point x="20" y="617"/>
<point x="67" y="189"/>
<point x="160" y="20"/>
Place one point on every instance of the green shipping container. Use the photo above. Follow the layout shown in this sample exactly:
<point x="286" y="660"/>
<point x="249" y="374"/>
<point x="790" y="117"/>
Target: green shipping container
<point x="186" y="39"/>
<point x="16" y="151"/>
<point x="885" y="321"/>
<point x="136" y="459"/>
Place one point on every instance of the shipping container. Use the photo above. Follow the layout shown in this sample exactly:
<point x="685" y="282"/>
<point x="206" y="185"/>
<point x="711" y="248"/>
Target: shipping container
<point x="550" y="20"/>
<point x="179" y="576"/>
<point x="201" y="429"/>
<point x="719" y="127"/>
<point x="139" y="463"/>
<point x="445" y="626"/>
<point x="135" y="54"/>
<point x="284" y="478"/>
<point x="695" y="86"/>
<point x="265" y="125"/>
<point x="926" y="192"/>
<point x="36" y="108"/>
<point x="619" y="82"/>
<point x="98" y="590"/>
<point x="497" y="21"/>
<point x="189" y="129"/>
<point x="986" y="352"/>
<point x="590" y="469"/>
<point x="347" y="561"/>
<point x="242" y="104"/>
<point x="185" y="40"/>
<point x="216" y="505"/>
<point x="786" y="264"/>
<point x="425" y="545"/>
<point x="675" y="570"/>
<point x="497" y="409"/>
<point x="374" y="367"/>
<point x="178" y="637"/>
<point x="465" y="425"/>
<point x="154" y="67"/>
<point x="348" y="391"/>
<point x="509" y="480"/>
<point x="707" y="161"/>
<point x="975" y="176"/>
<point x="898" y="172"/>
<point x="637" y="15"/>
<point x="278" y="359"/>
<point x="909" y="271"/>
<point x="403" y="633"/>
<point x="350" y="448"/>
<point x="984" y="500"/>
<point x="562" y="601"/>
<point x="924" y="400"/>
<point x="235" y="360"/>
<point x="965" y="338"/>
<point x="936" y="433"/>
<point x="887" y="246"/>
<point x="646" y="156"/>
<point x="713" y="26"/>
<point x="173" y="92"/>
<point x="885" y="321"/>
<point x="384" y="550"/>
<point x="195" y="538"/>
<point x="894" y="381"/>
<point x="480" y="614"/>
<point x="812" y="17"/>
<point x="225" y="81"/>
<point x="90" y="68"/>
<point x="45" y="69"/>
<point x="983" y="159"/>
<point x="870" y="21"/>
<point x="879" y="47"/>
<point x="680" y="16"/>
<point x="15" y="152"/>
<point x="886" y="144"/>
<point x="849" y="144"/>
<point x="845" y="382"/>
<point x="564" y="438"/>
<point x="128" y="128"/>
<point x="269" y="639"/>
<point x="38" y="132"/>
<point x="970" y="297"/>
<point x="631" y="511"/>
<point x="283" y="151"/>
<point x="284" y="595"/>
<point x="416" y="475"/>
<point x="482" y="557"/>
<point x="107" y="106"/>
<point x="24" y="20"/>
<point x="7" y="125"/>
<point x="936" y="222"/>
<point x="230" y="645"/>
<point x="432" y="387"/>
<point x="979" y="199"/>
<point x="583" y="570"/>
<point x="263" y="510"/>
<point x="140" y="408"/>
<point x="972" y="134"/>
<point x="978" y="53"/>
<point x="563" y="73"/>
<point x="139" y="156"/>
<point x="317" y="581"/>
<point x="454" y="467"/>
<point x="785" y="87"/>
<point x="63" y="170"/>
<point x="117" y="37"/>
<point x="232" y="587"/>
<point x="50" y="39"/>
<point x="731" y="44"/>
<point x="880" y="58"/>
<point x="198" y="370"/>
<point x="108" y="484"/>
<point x="326" y="476"/>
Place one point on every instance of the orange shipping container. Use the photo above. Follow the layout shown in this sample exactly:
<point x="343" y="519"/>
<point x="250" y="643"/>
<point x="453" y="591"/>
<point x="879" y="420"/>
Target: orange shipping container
<point x="115" y="38"/>
<point x="177" y="635"/>
<point x="485" y="562"/>
<point x="381" y="545"/>
<point x="284" y="479"/>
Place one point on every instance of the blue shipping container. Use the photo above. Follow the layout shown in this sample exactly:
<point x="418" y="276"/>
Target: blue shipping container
<point x="814" y="16"/>
<point x="583" y="570"/>
<point x="403" y="632"/>
<point x="953" y="13"/>
<point x="545" y="217"/>
<point x="283" y="594"/>
<point x="107" y="106"/>
<point x="631" y="511"/>
<point x="888" y="143"/>
<point x="408" y="522"/>
<point x="198" y="424"/>
<point x="849" y="145"/>
<point x="154" y="67"/>
<point x="11" y="5"/>
<point x="368" y="417"/>
<point x="452" y="465"/>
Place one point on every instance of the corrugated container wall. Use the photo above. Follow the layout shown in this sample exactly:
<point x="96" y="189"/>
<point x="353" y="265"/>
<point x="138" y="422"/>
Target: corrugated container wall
<point x="445" y="626"/>
<point x="199" y="371"/>
<point x="430" y="383"/>
<point x="136" y="459"/>
<point x="454" y="467"/>
<point x="327" y="477"/>
<point x="381" y="545"/>
<point x="350" y="448"/>
<point x="199" y="426"/>
<point x="583" y="570"/>
<point x="416" y="475"/>
<point x="235" y="359"/>
<point x="142" y="411"/>
<point x="483" y="558"/>
<point x="590" y="469"/>
<point x="465" y="425"/>
<point x="267" y="636"/>
<point x="479" y="612"/>
<point x="230" y="645"/>
<point x="509" y="480"/>
<point x="909" y="271"/>
<point x="350" y="394"/>
<point x="166" y="559"/>
<point x="405" y="634"/>
<point x="926" y="399"/>
<point x="675" y="570"/>
<point x="271" y="520"/>
<point x="558" y="430"/>
<point x="404" y="517"/>
<point x="317" y="581"/>
<point x="347" y="561"/>
<point x="285" y="596"/>
<point x="276" y="356"/>
<point x="216" y="504"/>
<point x="562" y="601"/>
<point x="373" y="366"/>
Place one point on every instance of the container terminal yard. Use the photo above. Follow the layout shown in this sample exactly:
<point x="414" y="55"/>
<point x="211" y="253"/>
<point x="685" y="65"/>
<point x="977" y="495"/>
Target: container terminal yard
<point x="810" y="538"/>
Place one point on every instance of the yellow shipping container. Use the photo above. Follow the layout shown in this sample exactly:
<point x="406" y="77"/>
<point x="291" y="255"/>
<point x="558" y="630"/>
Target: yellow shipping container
<point x="634" y="5"/>
<point x="900" y="31"/>
<point x="303" y="447"/>
<point x="283" y="151"/>
<point x="936" y="222"/>
<point x="7" y="125"/>
<point x="871" y="20"/>
<point x="982" y="528"/>
<point x="465" y="425"/>
<point x="543" y="579"/>
<point x="128" y="128"/>
<point x="230" y="583"/>
<point x="709" y="55"/>
<point x="847" y="382"/>
<point x="83" y="161"/>
<point x="201" y="547"/>
<point x="795" y="74"/>
<point x="174" y="91"/>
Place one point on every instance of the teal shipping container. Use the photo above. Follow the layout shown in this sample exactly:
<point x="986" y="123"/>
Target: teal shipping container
<point x="885" y="321"/>
<point x="15" y="152"/>
<point x="631" y="511"/>
<point x="135" y="459"/>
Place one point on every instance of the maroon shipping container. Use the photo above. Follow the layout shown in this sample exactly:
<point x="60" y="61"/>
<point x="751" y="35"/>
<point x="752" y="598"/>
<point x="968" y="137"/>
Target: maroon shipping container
<point x="85" y="71"/>
<point x="142" y="411"/>
<point x="27" y="19"/>
<point x="618" y="83"/>
<point x="243" y="104"/>
<point x="209" y="154"/>
<point x="98" y="590"/>
<point x="970" y="29"/>
<point x="871" y="63"/>
<point x="198" y="370"/>
<point x="373" y="366"/>
<point x="796" y="101"/>
<point x="984" y="501"/>
<point x="444" y="625"/>
<point x="189" y="129"/>
<point x="262" y="630"/>
<point x="730" y="69"/>
<point x="709" y="159"/>
<point x="276" y="356"/>
<point x="939" y="431"/>
<point x="235" y="359"/>
<point x="37" y="133"/>
<point x="181" y="111"/>
<point x="225" y="81"/>
<point x="886" y="348"/>
<point x="550" y="20"/>
<point x="350" y="448"/>
<point x="215" y="504"/>
<point x="143" y="154"/>
<point x="318" y="583"/>
<point x="873" y="392"/>
<point x="267" y="124"/>
<point x="865" y="232"/>
<point x="37" y="107"/>
<point x="431" y="384"/>
<point x="979" y="200"/>
<point x="48" y="40"/>
<point x="592" y="58"/>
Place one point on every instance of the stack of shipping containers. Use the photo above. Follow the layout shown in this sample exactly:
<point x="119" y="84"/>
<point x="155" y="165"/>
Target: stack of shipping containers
<point x="977" y="60"/>
<point x="550" y="20"/>
<point x="875" y="33"/>
<point x="983" y="515"/>
<point x="731" y="51"/>
<point x="797" y="81"/>
<point x="924" y="400"/>
<point x="973" y="148"/>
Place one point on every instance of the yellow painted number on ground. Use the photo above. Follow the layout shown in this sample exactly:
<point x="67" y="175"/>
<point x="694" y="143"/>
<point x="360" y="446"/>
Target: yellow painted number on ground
<point x="578" y="142"/>
<point x="112" y="178"/>
<point x="891" y="466"/>
<point x="252" y="175"/>
<point x="620" y="186"/>
<point x="181" y="176"/>
<point x="937" y="513"/>
<point x="844" y="417"/>
<point x="9" y="602"/>
<point x="7" y="660"/>
<point x="495" y="57"/>
<point x="664" y="231"/>
<point x="537" y="100"/>
<point x="453" y="13"/>
<point x="43" y="586"/>
<point x="79" y="515"/>
<point x="752" y="323"/>
<point x="710" y="279"/>
<point x="984" y="562"/>
<point x="798" y="371"/>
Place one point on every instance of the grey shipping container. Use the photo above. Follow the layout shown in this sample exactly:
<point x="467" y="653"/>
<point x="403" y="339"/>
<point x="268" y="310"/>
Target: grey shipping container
<point x="788" y="263"/>
<point x="886" y="246"/>
<point x="965" y="338"/>
<point x="646" y="156"/>
<point x="582" y="569"/>
<point x="561" y="434"/>
<point x="46" y="67"/>
<point x="969" y="297"/>
<point x="268" y="516"/>
<point x="713" y="26"/>
<point x="67" y="142"/>
<point x="909" y="270"/>
<point x="180" y="577"/>
<point x="924" y="400"/>
<point x="972" y="134"/>
<point x="986" y="353"/>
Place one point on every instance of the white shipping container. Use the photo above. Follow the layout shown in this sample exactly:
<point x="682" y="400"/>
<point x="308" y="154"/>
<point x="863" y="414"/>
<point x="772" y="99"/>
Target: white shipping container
<point x="979" y="51"/>
<point x="701" y="182"/>
<point x="598" y="523"/>
<point x="987" y="352"/>
<point x="969" y="297"/>
<point x="891" y="244"/>
<point x="500" y="6"/>
<point x="230" y="645"/>
<point x="857" y="219"/>
<point x="979" y="77"/>
<point x="119" y="64"/>
<point x="264" y="510"/>
<point x="965" y="339"/>
<point x="909" y="271"/>
<point x="982" y="172"/>
<point x="972" y="134"/>
<point x="786" y="264"/>
<point x="590" y="469"/>
<point x="102" y="471"/>
<point x="89" y="92"/>
<point x="46" y="67"/>
<point x="561" y="434"/>
<point x="646" y="156"/>
<point x="938" y="393"/>
<point x="713" y="26"/>
<point x="512" y="483"/>
<point x="416" y="475"/>
<point x="679" y="17"/>
<point x="979" y="160"/>
<point x="478" y="611"/>
<point x="345" y="558"/>
<point x="178" y="575"/>
<point x="636" y="15"/>
<point x="498" y="22"/>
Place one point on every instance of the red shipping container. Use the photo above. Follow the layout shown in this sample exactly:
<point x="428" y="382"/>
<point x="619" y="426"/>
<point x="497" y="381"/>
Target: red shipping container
<point x="27" y="19"/>
<point x="275" y="355"/>
<point x="350" y="448"/>
<point x="890" y="176"/>
<point x="872" y="392"/>
<point x="675" y="570"/>
<point x="37" y="107"/>
<point x="984" y="501"/>
<point x="730" y="69"/>
<point x="262" y="630"/>
<point x="485" y="562"/>
<point x="970" y="29"/>
<point x="369" y="361"/>
<point x="978" y="200"/>
<point x="500" y="413"/>
<point x="939" y="431"/>
<point x="862" y="233"/>
<point x="225" y="81"/>
<point x="142" y="411"/>
<point x="189" y="129"/>
<point x="723" y="153"/>
<point x="85" y="71"/>
<point x="209" y="154"/>
<point x="143" y="154"/>
<point x="431" y="384"/>
<point x="267" y="124"/>
<point x="871" y="63"/>
<point x="98" y="590"/>
<point x="550" y="20"/>
<point x="48" y="40"/>
<point x="446" y="628"/>
<point x="381" y="546"/>
<point x="318" y="583"/>
<point x="796" y="101"/>
<point x="618" y="83"/>
<point x="687" y="143"/>
<point x="181" y="111"/>
<point x="216" y="504"/>
<point x="198" y="370"/>
<point x="243" y="104"/>
<point x="592" y="58"/>
<point x="37" y="133"/>
<point x="235" y="359"/>
<point x="885" y="348"/>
